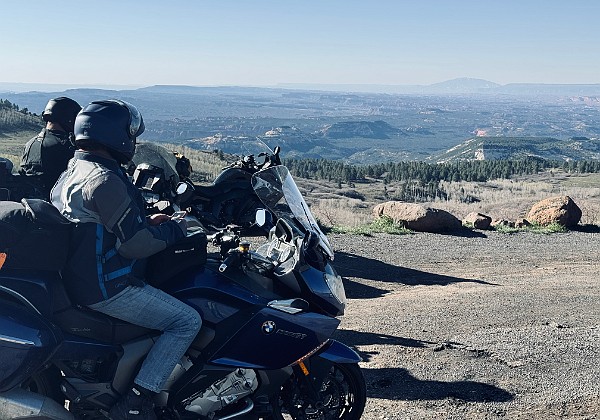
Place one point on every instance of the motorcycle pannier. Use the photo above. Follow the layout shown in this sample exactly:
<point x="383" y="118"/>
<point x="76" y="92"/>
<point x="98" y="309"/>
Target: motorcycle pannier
<point x="187" y="252"/>
<point x="33" y="235"/>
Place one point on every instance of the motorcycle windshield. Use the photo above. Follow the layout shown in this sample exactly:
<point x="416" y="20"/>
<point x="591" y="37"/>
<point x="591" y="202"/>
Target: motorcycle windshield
<point x="158" y="156"/>
<point x="278" y="191"/>
<point x="255" y="147"/>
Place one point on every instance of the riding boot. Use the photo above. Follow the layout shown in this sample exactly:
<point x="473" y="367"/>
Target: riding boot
<point x="137" y="404"/>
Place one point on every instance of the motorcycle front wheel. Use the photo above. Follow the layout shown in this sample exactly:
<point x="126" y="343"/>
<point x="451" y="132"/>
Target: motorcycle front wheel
<point x="343" y="396"/>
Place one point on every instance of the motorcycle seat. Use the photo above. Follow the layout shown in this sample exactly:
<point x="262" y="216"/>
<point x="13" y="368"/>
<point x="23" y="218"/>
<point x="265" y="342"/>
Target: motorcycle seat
<point x="43" y="292"/>
<point x="84" y="322"/>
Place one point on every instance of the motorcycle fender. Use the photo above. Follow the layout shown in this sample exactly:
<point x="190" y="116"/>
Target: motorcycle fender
<point x="337" y="352"/>
<point x="320" y="364"/>
<point x="27" y="341"/>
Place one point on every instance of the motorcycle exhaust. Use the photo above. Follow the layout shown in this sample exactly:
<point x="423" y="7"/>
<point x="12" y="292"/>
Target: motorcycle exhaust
<point x="21" y="404"/>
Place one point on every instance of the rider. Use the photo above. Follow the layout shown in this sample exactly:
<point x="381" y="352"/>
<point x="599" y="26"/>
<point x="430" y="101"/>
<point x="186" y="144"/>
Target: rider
<point x="106" y="268"/>
<point x="46" y="155"/>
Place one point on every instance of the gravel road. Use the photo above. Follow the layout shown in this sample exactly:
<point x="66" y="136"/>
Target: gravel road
<point x="481" y="326"/>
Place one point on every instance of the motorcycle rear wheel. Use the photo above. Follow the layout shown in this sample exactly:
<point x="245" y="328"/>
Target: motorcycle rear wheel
<point x="343" y="393"/>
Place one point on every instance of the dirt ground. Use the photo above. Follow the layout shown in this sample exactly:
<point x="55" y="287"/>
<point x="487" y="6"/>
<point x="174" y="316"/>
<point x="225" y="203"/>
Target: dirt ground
<point x="476" y="326"/>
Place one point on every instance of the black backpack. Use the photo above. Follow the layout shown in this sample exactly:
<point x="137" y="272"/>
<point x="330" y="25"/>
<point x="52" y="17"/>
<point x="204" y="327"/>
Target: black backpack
<point x="33" y="235"/>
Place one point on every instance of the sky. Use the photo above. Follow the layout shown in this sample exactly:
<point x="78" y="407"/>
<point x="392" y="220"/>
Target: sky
<point x="268" y="42"/>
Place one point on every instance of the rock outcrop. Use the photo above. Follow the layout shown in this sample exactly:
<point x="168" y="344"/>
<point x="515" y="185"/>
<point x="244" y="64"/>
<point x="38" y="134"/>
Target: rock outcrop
<point x="477" y="221"/>
<point x="417" y="217"/>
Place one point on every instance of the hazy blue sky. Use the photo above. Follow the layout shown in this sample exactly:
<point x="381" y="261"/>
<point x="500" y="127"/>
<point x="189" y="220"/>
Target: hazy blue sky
<point x="264" y="42"/>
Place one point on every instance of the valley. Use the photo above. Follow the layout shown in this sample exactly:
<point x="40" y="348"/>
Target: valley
<point x="361" y="127"/>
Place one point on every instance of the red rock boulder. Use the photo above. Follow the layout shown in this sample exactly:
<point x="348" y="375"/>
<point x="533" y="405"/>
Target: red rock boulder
<point x="417" y="217"/>
<point x="561" y="210"/>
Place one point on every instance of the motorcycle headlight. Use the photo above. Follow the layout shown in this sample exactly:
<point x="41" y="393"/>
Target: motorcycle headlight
<point x="335" y="284"/>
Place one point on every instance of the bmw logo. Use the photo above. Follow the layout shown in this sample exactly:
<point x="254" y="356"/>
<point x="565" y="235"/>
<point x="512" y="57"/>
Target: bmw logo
<point x="268" y="327"/>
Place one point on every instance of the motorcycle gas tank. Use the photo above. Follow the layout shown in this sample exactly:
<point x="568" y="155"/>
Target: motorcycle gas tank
<point x="247" y="332"/>
<point x="232" y="174"/>
<point x="215" y="296"/>
<point x="223" y="187"/>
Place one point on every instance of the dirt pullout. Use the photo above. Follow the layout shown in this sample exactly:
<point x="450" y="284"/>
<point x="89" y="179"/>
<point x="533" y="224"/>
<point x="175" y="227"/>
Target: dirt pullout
<point x="475" y="327"/>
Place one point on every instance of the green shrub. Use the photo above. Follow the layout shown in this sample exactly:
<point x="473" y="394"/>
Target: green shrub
<point x="384" y="224"/>
<point x="534" y="228"/>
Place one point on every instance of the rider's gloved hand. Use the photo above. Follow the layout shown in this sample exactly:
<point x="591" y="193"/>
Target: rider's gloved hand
<point x="157" y="219"/>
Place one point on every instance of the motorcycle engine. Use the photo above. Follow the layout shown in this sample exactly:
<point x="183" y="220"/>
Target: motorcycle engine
<point x="228" y="390"/>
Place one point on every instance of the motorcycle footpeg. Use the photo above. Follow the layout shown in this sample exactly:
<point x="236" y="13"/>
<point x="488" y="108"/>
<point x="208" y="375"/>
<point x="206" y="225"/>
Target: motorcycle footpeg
<point x="262" y="406"/>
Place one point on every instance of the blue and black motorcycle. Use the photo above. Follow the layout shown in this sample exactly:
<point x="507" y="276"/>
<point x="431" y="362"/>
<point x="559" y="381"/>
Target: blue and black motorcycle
<point x="228" y="199"/>
<point x="264" y="351"/>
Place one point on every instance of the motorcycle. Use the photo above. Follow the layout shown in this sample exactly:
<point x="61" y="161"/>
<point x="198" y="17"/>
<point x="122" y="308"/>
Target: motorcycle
<point x="264" y="350"/>
<point x="229" y="199"/>
<point x="15" y="186"/>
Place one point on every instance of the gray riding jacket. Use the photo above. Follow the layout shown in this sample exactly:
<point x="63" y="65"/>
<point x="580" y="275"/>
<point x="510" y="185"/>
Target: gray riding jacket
<point x="111" y="238"/>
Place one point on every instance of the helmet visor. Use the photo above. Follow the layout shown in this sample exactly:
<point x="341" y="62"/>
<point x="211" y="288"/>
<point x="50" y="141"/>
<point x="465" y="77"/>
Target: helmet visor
<point x="135" y="119"/>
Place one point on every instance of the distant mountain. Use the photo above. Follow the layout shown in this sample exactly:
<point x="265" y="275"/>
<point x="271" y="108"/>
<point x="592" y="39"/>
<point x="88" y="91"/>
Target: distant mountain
<point x="463" y="85"/>
<point x="47" y="87"/>
<point x="494" y="148"/>
<point x="458" y="86"/>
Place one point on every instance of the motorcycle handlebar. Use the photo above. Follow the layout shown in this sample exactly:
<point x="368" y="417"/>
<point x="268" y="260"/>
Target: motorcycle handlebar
<point x="228" y="261"/>
<point x="249" y="163"/>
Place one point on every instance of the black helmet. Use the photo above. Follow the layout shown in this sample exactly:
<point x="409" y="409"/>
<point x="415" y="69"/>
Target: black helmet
<point x="112" y="123"/>
<point x="62" y="110"/>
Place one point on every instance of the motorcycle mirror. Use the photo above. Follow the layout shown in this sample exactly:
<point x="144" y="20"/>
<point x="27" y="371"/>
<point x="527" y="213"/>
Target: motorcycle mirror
<point x="182" y="188"/>
<point x="264" y="218"/>
<point x="261" y="217"/>
<point x="184" y="192"/>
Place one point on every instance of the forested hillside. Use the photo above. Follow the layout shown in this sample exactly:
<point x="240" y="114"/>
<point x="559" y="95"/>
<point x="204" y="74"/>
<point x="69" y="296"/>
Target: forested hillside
<point x="16" y="127"/>
<point x="477" y="170"/>
<point x="14" y="119"/>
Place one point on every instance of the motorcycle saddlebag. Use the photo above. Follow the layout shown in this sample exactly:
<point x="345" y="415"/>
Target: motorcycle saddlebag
<point x="27" y="342"/>
<point x="186" y="253"/>
<point x="33" y="235"/>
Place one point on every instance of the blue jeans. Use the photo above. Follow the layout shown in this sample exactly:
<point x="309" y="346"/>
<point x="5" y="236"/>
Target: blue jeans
<point x="152" y="308"/>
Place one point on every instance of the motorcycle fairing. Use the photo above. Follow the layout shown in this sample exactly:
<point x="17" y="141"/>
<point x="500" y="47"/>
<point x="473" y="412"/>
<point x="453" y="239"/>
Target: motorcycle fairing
<point x="224" y="303"/>
<point x="323" y="297"/>
<point x="258" y="344"/>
